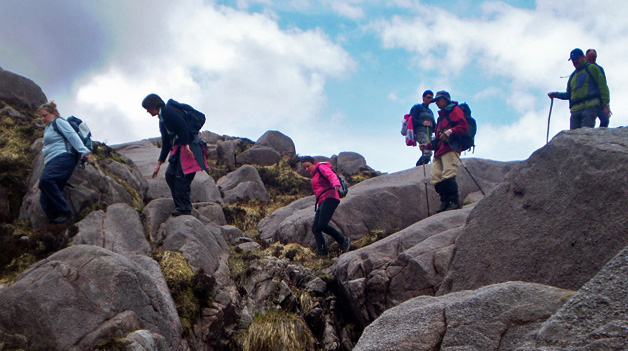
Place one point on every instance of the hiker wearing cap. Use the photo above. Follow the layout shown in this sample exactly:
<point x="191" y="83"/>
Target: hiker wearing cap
<point x="423" y="122"/>
<point x="325" y="185"/>
<point x="587" y="92"/>
<point x="450" y="126"/>
<point x="591" y="57"/>
<point x="59" y="141"/>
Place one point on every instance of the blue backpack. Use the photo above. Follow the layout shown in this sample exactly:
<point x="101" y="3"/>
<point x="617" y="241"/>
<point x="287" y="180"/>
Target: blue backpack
<point x="80" y="128"/>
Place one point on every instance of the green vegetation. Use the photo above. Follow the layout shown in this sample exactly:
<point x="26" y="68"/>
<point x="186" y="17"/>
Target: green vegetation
<point x="273" y="331"/>
<point x="191" y="292"/>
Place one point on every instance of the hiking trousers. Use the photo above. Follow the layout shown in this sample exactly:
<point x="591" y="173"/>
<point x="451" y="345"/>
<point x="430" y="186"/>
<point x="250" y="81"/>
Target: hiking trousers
<point x="180" y="185"/>
<point x="321" y="224"/>
<point x="583" y="118"/>
<point x="53" y="179"/>
<point x="444" y="166"/>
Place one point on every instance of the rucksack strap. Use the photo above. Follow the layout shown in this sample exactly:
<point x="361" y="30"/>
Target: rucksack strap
<point x="69" y="149"/>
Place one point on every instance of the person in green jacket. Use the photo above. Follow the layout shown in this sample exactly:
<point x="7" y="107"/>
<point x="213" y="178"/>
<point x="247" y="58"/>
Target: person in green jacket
<point x="587" y="92"/>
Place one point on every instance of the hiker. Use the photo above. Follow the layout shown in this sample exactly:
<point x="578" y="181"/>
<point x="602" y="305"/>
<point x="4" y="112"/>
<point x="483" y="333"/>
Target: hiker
<point x="325" y="185"/>
<point x="61" y="144"/>
<point x="186" y="155"/>
<point x="423" y="122"/>
<point x="591" y="57"/>
<point x="450" y="125"/>
<point x="587" y="92"/>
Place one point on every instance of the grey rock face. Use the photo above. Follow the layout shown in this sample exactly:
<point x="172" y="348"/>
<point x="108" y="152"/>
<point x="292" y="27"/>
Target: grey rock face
<point x="278" y="142"/>
<point x="555" y="220"/>
<point x="495" y="317"/>
<point x="259" y="155"/>
<point x="83" y="295"/>
<point x="119" y="229"/>
<point x="409" y="263"/>
<point x="20" y="91"/>
<point x="595" y="318"/>
<point x="389" y="203"/>
<point x="243" y="184"/>
<point x="350" y="163"/>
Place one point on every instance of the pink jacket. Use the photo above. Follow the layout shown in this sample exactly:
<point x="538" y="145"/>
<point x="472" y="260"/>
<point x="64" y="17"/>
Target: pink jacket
<point x="189" y="164"/>
<point x="321" y="185"/>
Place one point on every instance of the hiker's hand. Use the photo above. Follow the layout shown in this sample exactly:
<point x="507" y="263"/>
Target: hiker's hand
<point x="552" y="95"/>
<point x="156" y="170"/>
<point x="607" y="111"/>
<point x="423" y="146"/>
<point x="189" y="151"/>
<point x="444" y="136"/>
<point x="427" y="123"/>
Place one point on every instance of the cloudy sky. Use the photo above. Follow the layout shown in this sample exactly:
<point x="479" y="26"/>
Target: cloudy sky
<point x="334" y="75"/>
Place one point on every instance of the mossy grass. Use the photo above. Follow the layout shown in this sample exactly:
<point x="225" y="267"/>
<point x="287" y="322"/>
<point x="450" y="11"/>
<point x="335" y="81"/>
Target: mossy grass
<point x="277" y="330"/>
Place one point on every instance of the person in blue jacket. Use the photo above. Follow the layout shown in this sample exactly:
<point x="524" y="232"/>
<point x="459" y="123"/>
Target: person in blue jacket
<point x="60" y="148"/>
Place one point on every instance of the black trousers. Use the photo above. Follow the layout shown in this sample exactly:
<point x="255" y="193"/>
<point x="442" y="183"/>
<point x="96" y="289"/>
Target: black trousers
<point x="321" y="224"/>
<point x="179" y="185"/>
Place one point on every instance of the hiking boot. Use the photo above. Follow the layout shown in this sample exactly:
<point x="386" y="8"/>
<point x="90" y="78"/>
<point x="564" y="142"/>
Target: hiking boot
<point x="62" y="219"/>
<point x="425" y="159"/>
<point x="444" y="206"/>
<point x="322" y="252"/>
<point x="441" y="189"/>
<point x="346" y="245"/>
<point x="180" y="213"/>
<point x="452" y="195"/>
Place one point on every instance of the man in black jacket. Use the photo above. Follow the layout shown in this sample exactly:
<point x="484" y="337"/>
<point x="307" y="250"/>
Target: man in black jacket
<point x="176" y="138"/>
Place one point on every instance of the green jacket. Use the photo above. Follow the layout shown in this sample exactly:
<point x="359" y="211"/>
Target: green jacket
<point x="586" y="87"/>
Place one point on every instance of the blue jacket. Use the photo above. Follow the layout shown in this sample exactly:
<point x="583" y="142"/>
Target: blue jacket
<point x="55" y="144"/>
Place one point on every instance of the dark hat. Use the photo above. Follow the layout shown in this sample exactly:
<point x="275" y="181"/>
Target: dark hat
<point x="442" y="94"/>
<point x="428" y="92"/>
<point x="575" y="53"/>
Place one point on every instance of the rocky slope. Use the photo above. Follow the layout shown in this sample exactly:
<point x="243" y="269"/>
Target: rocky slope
<point x="535" y="265"/>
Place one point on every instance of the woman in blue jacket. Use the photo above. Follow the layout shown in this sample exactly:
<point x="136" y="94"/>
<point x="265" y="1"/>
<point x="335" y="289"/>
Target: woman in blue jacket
<point x="61" y="145"/>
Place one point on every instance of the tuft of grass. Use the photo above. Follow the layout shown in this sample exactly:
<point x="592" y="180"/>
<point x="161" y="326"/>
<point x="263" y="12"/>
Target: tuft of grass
<point x="272" y="331"/>
<point x="370" y="237"/>
<point x="191" y="292"/>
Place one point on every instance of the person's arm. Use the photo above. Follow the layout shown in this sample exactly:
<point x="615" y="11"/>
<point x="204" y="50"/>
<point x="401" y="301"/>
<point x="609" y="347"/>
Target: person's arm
<point x="602" y="85"/>
<point x="178" y="125"/>
<point x="459" y="122"/>
<point x="329" y="174"/>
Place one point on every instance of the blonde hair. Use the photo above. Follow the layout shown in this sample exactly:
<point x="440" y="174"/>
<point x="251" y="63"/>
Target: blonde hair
<point x="50" y="106"/>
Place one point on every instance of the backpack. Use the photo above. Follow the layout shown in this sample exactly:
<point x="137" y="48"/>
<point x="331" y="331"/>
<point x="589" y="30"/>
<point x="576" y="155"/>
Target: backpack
<point x="467" y="141"/>
<point x="407" y="130"/>
<point x="194" y="118"/>
<point x="344" y="186"/>
<point x="80" y="128"/>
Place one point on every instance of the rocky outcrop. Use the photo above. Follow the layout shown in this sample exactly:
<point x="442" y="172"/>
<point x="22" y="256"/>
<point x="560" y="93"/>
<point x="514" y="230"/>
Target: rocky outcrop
<point x="404" y="265"/>
<point x="119" y="229"/>
<point x="268" y="149"/>
<point x="386" y="203"/>
<point x="556" y="219"/>
<point x="595" y="318"/>
<point x="496" y="317"/>
<point x="242" y="185"/>
<point x="85" y="295"/>
<point x="350" y="163"/>
<point x="20" y="91"/>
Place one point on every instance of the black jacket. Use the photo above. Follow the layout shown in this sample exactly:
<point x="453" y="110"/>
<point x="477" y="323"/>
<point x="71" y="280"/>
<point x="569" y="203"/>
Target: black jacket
<point x="173" y="128"/>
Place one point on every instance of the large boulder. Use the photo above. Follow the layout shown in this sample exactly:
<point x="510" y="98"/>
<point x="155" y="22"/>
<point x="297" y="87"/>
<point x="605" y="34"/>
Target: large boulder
<point x="595" y="318"/>
<point x="268" y="149"/>
<point x="89" y="186"/>
<point x="242" y="185"/>
<point x="85" y="295"/>
<point x="20" y="91"/>
<point x="386" y="203"/>
<point x="495" y="317"/>
<point x="556" y="219"/>
<point x="261" y="155"/>
<point x="350" y="163"/>
<point x="404" y="265"/>
<point x="119" y="229"/>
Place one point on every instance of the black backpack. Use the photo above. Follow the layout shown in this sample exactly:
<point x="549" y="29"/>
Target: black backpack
<point x="194" y="118"/>
<point x="467" y="141"/>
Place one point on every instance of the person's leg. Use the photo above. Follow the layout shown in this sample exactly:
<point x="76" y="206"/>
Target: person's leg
<point x="326" y="210"/>
<point x="589" y="115"/>
<point x="451" y="162"/>
<point x="53" y="178"/>
<point x="321" y="247"/>
<point x="437" y="179"/>
<point x="575" y="121"/>
<point x="604" y="120"/>
<point x="426" y="155"/>
<point x="180" y="187"/>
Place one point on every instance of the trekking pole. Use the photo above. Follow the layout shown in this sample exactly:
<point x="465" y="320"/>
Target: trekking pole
<point x="465" y="167"/>
<point x="427" y="199"/>
<point x="548" y="121"/>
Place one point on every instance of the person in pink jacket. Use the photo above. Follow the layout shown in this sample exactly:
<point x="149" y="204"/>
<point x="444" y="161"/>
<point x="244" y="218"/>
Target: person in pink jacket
<point x="325" y="185"/>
